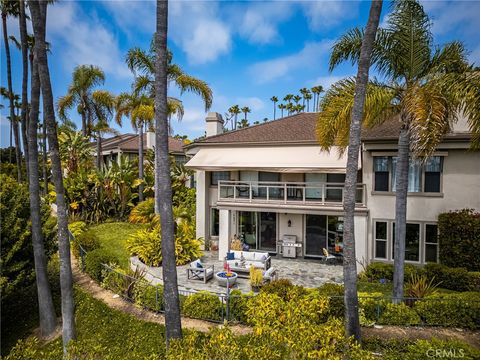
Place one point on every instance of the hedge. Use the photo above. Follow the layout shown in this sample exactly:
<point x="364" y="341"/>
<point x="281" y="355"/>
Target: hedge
<point x="94" y="261"/>
<point x="457" y="279"/>
<point x="459" y="239"/>
<point x="381" y="270"/>
<point x="203" y="305"/>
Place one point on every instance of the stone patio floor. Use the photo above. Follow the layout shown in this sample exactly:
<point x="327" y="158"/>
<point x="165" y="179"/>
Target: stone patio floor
<point x="305" y="272"/>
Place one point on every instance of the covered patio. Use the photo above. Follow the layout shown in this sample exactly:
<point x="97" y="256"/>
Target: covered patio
<point x="305" y="272"/>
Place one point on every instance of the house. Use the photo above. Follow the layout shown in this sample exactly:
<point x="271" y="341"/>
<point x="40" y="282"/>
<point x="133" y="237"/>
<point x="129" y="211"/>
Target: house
<point x="271" y="185"/>
<point x="126" y="145"/>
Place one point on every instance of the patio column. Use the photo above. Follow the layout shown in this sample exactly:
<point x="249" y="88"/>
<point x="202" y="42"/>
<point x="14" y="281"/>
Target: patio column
<point x="224" y="236"/>
<point x="202" y="215"/>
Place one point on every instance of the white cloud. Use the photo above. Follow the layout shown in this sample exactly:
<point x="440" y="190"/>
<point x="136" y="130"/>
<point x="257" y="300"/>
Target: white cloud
<point x="458" y="16"/>
<point x="326" y="14"/>
<point x="198" y="29"/>
<point x="254" y="103"/>
<point x="326" y="81"/>
<point x="82" y="38"/>
<point x="309" y="56"/>
<point x="133" y="15"/>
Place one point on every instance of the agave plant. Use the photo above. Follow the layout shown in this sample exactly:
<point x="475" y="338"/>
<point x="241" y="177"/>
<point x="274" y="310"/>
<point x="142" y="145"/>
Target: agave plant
<point x="419" y="287"/>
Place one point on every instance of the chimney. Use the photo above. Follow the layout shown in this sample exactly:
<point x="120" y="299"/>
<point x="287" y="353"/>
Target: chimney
<point x="150" y="139"/>
<point x="214" y="124"/>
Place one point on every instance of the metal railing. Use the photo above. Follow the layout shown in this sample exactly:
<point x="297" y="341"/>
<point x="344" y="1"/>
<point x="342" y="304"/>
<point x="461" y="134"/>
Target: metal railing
<point x="286" y="192"/>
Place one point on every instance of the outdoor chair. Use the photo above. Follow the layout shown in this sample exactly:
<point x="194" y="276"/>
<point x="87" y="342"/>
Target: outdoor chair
<point x="270" y="275"/>
<point x="327" y="258"/>
<point x="198" y="271"/>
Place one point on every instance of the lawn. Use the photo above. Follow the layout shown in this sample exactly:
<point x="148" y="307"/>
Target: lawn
<point x="113" y="237"/>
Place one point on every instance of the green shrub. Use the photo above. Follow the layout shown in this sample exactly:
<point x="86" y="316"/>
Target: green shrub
<point x="77" y="228"/>
<point x="148" y="296"/>
<point x="335" y="292"/>
<point x="380" y="270"/>
<point x="94" y="261"/>
<point x="457" y="279"/>
<point x="203" y="305"/>
<point x="372" y="305"/>
<point x="400" y="314"/>
<point x="238" y="303"/>
<point x="143" y="213"/>
<point x="284" y="289"/>
<point x="453" y="310"/>
<point x="459" y="239"/>
<point x="147" y="244"/>
<point x="437" y="349"/>
<point x="88" y="240"/>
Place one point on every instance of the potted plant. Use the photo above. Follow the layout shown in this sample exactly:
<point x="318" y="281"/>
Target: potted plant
<point x="256" y="279"/>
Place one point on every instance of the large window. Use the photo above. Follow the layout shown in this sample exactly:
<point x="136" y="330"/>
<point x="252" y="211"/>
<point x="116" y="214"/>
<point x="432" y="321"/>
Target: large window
<point x="219" y="175"/>
<point x="431" y="243"/>
<point x="381" y="239"/>
<point x="421" y="241"/>
<point x="422" y="177"/>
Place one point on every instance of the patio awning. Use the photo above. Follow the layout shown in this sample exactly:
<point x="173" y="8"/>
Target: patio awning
<point x="286" y="159"/>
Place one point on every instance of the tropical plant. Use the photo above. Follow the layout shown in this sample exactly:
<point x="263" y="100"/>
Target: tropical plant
<point x="143" y="213"/>
<point x="419" y="286"/>
<point x="234" y="110"/>
<point x="245" y="110"/>
<point x="38" y="12"/>
<point x="425" y="86"/>
<point x="274" y="99"/>
<point x="256" y="278"/>
<point x="281" y="107"/>
<point x="103" y="103"/>
<point x="316" y="91"/>
<point x="75" y="151"/>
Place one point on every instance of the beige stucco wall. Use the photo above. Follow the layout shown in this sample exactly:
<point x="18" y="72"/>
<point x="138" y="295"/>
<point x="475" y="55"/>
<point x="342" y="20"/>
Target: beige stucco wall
<point x="296" y="229"/>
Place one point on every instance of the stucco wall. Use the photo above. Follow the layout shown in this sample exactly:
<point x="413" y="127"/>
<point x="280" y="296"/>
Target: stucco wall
<point x="297" y="228"/>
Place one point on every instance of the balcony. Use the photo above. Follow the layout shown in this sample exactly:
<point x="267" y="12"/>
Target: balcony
<point x="286" y="193"/>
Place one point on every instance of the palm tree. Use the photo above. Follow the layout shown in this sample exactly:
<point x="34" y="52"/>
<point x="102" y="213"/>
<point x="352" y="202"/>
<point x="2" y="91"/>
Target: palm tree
<point x="316" y="90"/>
<point x="141" y="112"/>
<point x="289" y="108"/>
<point x="24" y="47"/>
<point x="245" y="111"/>
<point x="163" y="188"/>
<point x="304" y="92"/>
<point x="274" y="99"/>
<point x="48" y="318"/>
<point x="426" y="86"/>
<point x="234" y="110"/>
<point x="102" y="105"/>
<point x="10" y="8"/>
<point x="84" y="79"/>
<point x="243" y="124"/>
<point x="281" y="107"/>
<point x="38" y="11"/>
<point x="308" y="97"/>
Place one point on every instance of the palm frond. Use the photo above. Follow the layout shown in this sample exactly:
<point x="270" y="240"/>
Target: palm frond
<point x="139" y="61"/>
<point x="86" y="77"/>
<point x="196" y="86"/>
<point x="65" y="103"/>
<point x="452" y="57"/>
<point x="143" y="84"/>
<point x="175" y="107"/>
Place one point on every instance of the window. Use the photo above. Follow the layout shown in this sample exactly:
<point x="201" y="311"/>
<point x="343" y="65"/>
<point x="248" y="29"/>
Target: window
<point x="421" y="177"/>
<point x="381" y="239"/>
<point x="380" y="167"/>
<point x="219" y="175"/>
<point x="214" y="222"/>
<point x="431" y="243"/>
<point x="412" y="242"/>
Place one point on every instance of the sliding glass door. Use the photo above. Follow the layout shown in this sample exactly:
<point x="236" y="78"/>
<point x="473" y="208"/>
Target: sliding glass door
<point x="258" y="229"/>
<point x="315" y="234"/>
<point x="268" y="231"/>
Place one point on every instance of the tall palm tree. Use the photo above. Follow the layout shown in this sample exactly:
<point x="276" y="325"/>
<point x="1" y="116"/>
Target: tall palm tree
<point x="274" y="99"/>
<point x="281" y="107"/>
<point x="316" y="90"/>
<point x="48" y="318"/>
<point x="245" y="110"/>
<point x="84" y="79"/>
<point x="352" y="324"/>
<point x="425" y="86"/>
<point x="234" y="110"/>
<point x="102" y="105"/>
<point x="10" y="8"/>
<point x="24" y="47"/>
<point x="163" y="186"/>
<point x="38" y="10"/>
<point x="308" y="97"/>
<point x="139" y="107"/>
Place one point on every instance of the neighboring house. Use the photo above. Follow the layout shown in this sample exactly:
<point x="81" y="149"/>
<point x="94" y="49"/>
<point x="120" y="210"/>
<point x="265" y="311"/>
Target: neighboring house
<point x="126" y="145"/>
<point x="270" y="184"/>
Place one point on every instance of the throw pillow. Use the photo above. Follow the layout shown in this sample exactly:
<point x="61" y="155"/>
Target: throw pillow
<point x="230" y="256"/>
<point x="199" y="265"/>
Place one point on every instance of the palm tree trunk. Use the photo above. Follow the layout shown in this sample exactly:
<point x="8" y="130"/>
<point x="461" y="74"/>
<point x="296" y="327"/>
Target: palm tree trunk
<point x="99" y="150"/>
<point x="163" y="186"/>
<point x="140" y="161"/>
<point x="401" y="210"/>
<point x="352" y="323"/>
<point x="274" y="110"/>
<point x="24" y="117"/>
<point x="11" y="137"/>
<point x="44" y="155"/>
<point x="39" y="16"/>
<point x="84" y="124"/>
<point x="48" y="319"/>
<point x="10" y="98"/>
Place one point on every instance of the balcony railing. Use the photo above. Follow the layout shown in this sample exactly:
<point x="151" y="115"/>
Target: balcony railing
<point x="286" y="192"/>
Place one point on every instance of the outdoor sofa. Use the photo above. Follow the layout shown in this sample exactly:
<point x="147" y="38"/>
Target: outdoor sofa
<point x="259" y="260"/>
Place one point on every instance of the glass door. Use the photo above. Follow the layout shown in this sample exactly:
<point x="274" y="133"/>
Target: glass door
<point x="247" y="227"/>
<point x="268" y="231"/>
<point x="315" y="235"/>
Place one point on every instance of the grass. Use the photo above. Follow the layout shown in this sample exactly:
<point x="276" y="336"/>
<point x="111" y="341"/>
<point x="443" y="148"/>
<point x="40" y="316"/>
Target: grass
<point x="113" y="237"/>
<point x="387" y="288"/>
<point x="102" y="333"/>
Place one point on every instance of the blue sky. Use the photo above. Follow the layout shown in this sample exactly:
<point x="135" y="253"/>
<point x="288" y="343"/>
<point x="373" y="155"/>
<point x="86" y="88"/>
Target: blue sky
<point x="246" y="51"/>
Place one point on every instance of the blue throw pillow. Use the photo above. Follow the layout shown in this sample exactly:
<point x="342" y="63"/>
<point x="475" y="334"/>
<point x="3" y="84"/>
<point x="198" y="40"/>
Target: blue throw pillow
<point x="199" y="265"/>
<point x="230" y="256"/>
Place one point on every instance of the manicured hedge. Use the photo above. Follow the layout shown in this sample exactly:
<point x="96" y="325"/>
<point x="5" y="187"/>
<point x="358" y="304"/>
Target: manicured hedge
<point x="457" y="279"/>
<point x="94" y="261"/>
<point x="203" y="305"/>
<point x="459" y="239"/>
<point x="88" y="240"/>
<point x="384" y="271"/>
<point x="399" y="314"/>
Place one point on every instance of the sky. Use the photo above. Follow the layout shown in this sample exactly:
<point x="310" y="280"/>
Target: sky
<point x="246" y="51"/>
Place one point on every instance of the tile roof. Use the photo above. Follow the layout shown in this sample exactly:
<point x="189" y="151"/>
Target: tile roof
<point x="129" y="143"/>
